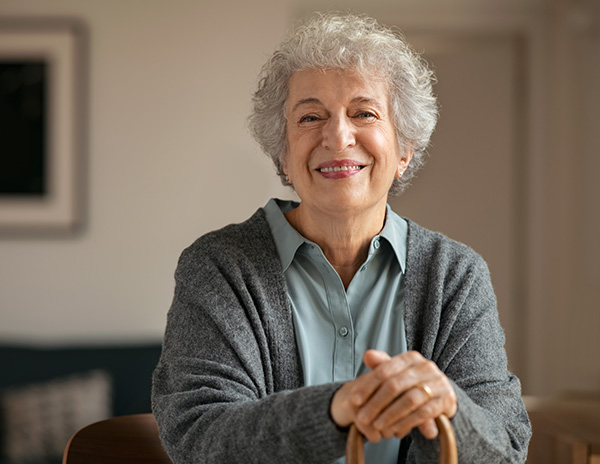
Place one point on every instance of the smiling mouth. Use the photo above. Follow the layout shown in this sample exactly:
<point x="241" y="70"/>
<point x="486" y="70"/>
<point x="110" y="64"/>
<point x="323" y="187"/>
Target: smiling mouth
<point x="341" y="168"/>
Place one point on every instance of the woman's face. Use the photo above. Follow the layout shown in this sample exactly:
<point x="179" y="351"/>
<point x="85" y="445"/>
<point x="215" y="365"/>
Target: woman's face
<point x="343" y="153"/>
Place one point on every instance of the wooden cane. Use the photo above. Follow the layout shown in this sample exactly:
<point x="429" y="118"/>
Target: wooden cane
<point x="355" y="450"/>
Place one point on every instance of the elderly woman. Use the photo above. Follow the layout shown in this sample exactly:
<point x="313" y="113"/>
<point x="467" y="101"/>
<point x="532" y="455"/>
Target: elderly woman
<point x="311" y="316"/>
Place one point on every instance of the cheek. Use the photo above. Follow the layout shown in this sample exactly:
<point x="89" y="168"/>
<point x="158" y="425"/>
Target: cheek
<point x="299" y="150"/>
<point x="384" y="146"/>
<point x="292" y="162"/>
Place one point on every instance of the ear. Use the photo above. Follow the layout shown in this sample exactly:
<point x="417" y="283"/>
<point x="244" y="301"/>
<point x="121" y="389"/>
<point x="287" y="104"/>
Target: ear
<point x="287" y="176"/>
<point x="285" y="168"/>
<point x="403" y="163"/>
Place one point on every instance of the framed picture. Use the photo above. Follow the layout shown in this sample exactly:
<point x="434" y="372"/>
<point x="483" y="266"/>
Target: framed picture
<point x="42" y="125"/>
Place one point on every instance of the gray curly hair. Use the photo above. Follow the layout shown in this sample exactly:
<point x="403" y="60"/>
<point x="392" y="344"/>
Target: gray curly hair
<point x="348" y="41"/>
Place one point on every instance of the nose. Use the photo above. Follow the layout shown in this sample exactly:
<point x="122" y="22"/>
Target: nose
<point x="338" y="134"/>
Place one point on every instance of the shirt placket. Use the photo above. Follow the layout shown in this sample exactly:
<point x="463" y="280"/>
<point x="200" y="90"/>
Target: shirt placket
<point x="343" y="350"/>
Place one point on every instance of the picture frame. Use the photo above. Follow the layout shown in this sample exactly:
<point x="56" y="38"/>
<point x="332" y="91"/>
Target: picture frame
<point x="43" y="111"/>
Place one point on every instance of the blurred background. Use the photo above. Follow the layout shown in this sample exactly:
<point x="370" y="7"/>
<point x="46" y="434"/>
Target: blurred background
<point x="165" y="156"/>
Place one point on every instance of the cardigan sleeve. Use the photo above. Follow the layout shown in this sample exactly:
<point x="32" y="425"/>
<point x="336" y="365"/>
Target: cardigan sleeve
<point x="214" y="394"/>
<point x="462" y="334"/>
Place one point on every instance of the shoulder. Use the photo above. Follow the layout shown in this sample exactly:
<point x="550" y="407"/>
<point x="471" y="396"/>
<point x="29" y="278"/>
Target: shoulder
<point x="234" y="237"/>
<point x="427" y="247"/>
<point x="231" y="249"/>
<point x="440" y="261"/>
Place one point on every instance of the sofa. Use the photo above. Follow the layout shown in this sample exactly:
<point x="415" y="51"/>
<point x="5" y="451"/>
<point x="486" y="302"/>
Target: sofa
<point x="47" y="393"/>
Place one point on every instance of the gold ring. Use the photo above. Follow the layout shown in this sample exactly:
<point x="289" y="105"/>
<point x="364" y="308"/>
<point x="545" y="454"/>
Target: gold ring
<point x="425" y="389"/>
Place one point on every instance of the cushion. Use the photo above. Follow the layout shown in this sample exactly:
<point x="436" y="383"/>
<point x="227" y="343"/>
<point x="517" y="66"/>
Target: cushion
<point x="39" y="418"/>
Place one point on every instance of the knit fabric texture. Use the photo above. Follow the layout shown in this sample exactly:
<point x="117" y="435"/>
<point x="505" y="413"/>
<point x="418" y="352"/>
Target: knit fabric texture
<point x="228" y="387"/>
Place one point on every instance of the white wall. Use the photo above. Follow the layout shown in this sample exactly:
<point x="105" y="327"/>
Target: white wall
<point x="564" y="315"/>
<point x="169" y="158"/>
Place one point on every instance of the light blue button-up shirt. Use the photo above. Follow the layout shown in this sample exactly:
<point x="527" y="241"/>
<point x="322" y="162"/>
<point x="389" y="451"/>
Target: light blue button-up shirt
<point x="335" y="326"/>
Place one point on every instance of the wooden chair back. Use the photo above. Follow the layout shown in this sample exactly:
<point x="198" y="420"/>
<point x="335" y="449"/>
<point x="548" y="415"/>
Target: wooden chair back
<point x="134" y="439"/>
<point x="120" y="440"/>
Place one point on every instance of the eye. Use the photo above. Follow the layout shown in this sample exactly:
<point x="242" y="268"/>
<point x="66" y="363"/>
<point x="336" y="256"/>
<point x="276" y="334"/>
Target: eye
<point x="309" y="118"/>
<point x="366" y="115"/>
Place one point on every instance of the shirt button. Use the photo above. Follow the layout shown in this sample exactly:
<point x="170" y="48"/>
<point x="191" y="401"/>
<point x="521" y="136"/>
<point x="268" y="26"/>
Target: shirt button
<point x="343" y="331"/>
<point x="376" y="244"/>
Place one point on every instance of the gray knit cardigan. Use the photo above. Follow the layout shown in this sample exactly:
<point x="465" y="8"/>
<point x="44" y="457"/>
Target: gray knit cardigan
<point x="228" y="387"/>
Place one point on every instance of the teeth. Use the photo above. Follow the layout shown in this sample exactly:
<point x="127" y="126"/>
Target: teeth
<point x="339" y="168"/>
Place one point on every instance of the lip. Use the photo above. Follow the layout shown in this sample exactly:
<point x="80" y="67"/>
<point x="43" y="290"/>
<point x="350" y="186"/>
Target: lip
<point x="353" y="167"/>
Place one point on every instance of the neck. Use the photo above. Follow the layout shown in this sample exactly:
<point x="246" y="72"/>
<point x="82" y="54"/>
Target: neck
<point x="344" y="238"/>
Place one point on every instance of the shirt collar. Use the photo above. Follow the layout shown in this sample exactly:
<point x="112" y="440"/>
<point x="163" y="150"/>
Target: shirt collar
<point x="395" y="231"/>
<point x="288" y="240"/>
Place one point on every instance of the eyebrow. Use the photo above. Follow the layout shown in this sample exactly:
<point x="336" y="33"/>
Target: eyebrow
<point x="306" y="101"/>
<point x="358" y="99"/>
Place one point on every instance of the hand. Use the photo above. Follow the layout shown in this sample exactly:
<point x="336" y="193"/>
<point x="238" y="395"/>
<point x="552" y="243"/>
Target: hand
<point x="398" y="394"/>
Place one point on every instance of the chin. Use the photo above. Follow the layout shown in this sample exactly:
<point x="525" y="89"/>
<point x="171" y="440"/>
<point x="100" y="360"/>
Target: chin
<point x="348" y="203"/>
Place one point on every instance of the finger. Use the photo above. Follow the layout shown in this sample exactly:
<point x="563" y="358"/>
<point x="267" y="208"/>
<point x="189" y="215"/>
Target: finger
<point x="423" y="418"/>
<point x="394" y="387"/>
<point x="371" y="434"/>
<point x="373" y="380"/>
<point x="429" y="429"/>
<point x="413" y="399"/>
<point x="399" y="363"/>
<point x="373" y="358"/>
<point x="348" y="399"/>
<point x="342" y="408"/>
<point x="352" y="395"/>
